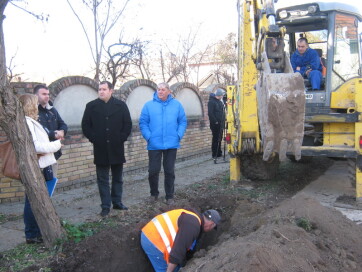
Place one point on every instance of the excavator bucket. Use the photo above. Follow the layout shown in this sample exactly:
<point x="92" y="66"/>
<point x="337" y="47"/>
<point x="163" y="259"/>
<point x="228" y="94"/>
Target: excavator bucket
<point x="281" y="109"/>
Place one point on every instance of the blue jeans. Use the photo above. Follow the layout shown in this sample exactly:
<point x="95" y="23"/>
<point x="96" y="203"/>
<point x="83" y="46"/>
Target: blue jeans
<point x="114" y="194"/>
<point x="154" y="168"/>
<point x="315" y="78"/>
<point x="31" y="226"/>
<point x="155" y="256"/>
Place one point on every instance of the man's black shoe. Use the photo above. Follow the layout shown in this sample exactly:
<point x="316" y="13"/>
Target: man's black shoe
<point x="36" y="240"/>
<point x="104" y="212"/>
<point x="119" y="206"/>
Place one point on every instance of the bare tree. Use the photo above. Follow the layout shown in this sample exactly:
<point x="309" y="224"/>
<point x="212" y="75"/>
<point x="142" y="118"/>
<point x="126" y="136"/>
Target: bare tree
<point x="105" y="14"/>
<point x="142" y="63"/>
<point x="197" y="60"/>
<point x="11" y="67"/>
<point x="185" y="63"/>
<point x="225" y="58"/>
<point x="12" y="121"/>
<point x="171" y="66"/>
<point x="174" y="63"/>
<point x="122" y="57"/>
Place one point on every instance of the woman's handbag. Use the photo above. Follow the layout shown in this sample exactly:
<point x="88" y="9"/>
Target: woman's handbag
<point x="10" y="167"/>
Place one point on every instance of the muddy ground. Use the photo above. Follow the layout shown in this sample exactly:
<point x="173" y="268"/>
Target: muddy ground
<point x="264" y="228"/>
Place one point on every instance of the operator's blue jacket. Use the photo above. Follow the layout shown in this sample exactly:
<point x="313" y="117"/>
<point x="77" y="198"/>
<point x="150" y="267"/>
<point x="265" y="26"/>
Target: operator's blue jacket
<point x="163" y="123"/>
<point x="309" y="60"/>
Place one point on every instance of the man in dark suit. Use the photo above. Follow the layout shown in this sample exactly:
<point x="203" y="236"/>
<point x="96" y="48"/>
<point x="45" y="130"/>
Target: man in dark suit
<point x="107" y="124"/>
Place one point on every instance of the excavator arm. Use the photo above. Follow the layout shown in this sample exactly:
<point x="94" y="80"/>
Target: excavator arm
<point x="266" y="108"/>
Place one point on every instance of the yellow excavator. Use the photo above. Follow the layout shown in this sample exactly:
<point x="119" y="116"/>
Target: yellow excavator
<point x="273" y="113"/>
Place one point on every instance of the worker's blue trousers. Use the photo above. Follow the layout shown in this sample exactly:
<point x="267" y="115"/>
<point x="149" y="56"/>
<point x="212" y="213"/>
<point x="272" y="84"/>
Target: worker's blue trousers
<point x="315" y="79"/>
<point x="155" y="256"/>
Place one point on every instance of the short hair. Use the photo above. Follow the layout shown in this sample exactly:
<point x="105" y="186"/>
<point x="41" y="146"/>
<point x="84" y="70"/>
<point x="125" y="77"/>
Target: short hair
<point x="30" y="105"/>
<point x="38" y="87"/>
<point x="109" y="84"/>
<point x="303" y="40"/>
<point x="163" y="84"/>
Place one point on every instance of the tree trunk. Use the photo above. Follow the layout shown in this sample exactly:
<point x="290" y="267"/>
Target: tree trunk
<point x="12" y="121"/>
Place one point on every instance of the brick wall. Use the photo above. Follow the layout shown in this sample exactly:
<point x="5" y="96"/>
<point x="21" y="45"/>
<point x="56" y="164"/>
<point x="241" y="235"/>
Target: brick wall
<point x="76" y="166"/>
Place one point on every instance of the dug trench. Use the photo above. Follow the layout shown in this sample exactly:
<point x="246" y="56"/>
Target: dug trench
<point x="265" y="226"/>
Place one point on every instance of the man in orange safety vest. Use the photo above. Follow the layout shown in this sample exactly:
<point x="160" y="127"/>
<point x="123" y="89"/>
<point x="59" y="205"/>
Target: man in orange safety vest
<point x="172" y="236"/>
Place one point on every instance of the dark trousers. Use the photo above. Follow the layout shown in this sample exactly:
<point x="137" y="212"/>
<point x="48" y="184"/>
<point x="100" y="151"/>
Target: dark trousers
<point x="31" y="226"/>
<point x="154" y="168"/>
<point x="216" y="140"/>
<point x="114" y="194"/>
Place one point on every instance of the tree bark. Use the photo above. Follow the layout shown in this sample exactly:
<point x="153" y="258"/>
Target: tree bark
<point x="12" y="121"/>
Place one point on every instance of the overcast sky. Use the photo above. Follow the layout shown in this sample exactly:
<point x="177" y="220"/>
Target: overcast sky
<point x="50" y="50"/>
<point x="46" y="51"/>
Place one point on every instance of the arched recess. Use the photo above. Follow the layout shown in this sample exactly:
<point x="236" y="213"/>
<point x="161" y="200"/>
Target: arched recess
<point x="70" y="96"/>
<point x="136" y="93"/>
<point x="190" y="99"/>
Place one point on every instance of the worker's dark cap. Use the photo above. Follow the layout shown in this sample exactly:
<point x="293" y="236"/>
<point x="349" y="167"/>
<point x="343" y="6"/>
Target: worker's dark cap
<point x="214" y="216"/>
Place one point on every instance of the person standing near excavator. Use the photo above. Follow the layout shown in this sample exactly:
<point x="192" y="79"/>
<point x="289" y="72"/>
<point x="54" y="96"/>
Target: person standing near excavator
<point x="216" y="112"/>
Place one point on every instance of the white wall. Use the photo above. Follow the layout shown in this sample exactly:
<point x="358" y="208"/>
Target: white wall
<point x="71" y="101"/>
<point x="137" y="98"/>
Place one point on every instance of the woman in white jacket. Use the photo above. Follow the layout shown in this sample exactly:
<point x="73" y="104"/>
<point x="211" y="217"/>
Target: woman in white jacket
<point x="45" y="150"/>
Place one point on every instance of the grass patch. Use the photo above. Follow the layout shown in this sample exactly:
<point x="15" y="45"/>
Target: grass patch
<point x="77" y="232"/>
<point x="6" y="218"/>
<point x="23" y="256"/>
<point x="304" y="223"/>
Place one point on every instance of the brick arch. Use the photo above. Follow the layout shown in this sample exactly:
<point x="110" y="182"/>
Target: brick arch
<point x="178" y="87"/>
<point x="136" y="93"/>
<point x="70" y="96"/>
<point x="57" y="86"/>
<point x="129" y="86"/>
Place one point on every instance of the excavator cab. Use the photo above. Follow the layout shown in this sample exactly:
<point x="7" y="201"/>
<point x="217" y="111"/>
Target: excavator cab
<point x="332" y="29"/>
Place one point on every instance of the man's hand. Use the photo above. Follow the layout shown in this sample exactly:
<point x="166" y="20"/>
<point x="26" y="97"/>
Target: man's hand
<point x="59" y="134"/>
<point x="307" y="72"/>
<point x="298" y="68"/>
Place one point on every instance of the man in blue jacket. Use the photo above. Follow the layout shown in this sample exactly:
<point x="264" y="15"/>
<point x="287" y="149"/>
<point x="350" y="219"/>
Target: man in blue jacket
<point x="307" y="62"/>
<point x="163" y="124"/>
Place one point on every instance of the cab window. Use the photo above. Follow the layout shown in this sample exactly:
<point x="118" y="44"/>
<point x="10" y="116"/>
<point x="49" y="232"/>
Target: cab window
<point x="346" y="58"/>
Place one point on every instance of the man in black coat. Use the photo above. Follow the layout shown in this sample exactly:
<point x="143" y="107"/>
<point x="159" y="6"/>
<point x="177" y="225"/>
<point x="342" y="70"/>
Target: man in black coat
<point x="50" y="119"/>
<point x="217" y="119"/>
<point x="107" y="124"/>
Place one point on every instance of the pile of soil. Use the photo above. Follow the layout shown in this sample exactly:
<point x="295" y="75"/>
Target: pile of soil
<point x="264" y="228"/>
<point x="299" y="235"/>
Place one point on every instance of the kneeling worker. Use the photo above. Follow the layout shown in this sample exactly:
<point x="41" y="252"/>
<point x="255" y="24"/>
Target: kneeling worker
<point x="172" y="236"/>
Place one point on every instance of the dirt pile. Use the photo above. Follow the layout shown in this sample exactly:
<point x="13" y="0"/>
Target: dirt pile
<point x="299" y="235"/>
<point x="263" y="229"/>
